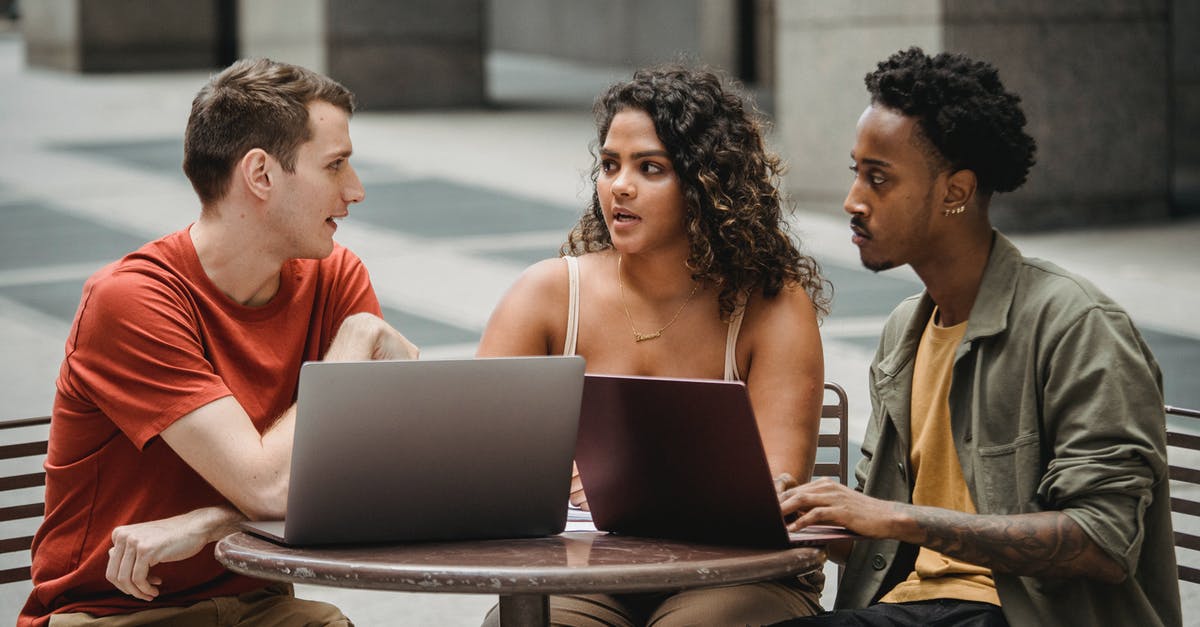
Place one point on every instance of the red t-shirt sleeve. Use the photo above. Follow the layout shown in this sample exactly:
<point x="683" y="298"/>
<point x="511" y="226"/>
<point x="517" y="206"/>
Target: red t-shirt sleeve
<point x="137" y="354"/>
<point x="352" y="291"/>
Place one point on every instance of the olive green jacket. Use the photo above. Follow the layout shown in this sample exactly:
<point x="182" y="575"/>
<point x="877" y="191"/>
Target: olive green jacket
<point x="1055" y="404"/>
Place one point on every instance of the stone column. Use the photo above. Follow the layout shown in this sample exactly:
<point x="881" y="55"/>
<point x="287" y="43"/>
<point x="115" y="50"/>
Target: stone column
<point x="823" y="50"/>
<point x="121" y="35"/>
<point x="1093" y="80"/>
<point x="1093" y="76"/>
<point x="1185" y="98"/>
<point x="416" y="53"/>
<point x="628" y="33"/>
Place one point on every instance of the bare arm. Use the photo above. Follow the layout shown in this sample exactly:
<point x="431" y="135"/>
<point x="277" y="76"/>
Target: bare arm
<point x="531" y="319"/>
<point x="250" y="469"/>
<point x="1043" y="544"/>
<point x="136" y="548"/>
<point x="785" y="378"/>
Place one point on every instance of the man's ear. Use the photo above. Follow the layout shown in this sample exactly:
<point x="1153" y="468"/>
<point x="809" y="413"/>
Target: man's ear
<point x="255" y="170"/>
<point x="960" y="190"/>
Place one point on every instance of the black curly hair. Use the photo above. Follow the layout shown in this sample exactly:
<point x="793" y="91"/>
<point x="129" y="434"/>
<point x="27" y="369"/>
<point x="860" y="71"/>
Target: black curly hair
<point x="730" y="184"/>
<point x="963" y="112"/>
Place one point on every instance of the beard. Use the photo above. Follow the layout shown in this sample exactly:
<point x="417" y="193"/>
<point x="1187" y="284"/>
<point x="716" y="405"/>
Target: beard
<point x="877" y="266"/>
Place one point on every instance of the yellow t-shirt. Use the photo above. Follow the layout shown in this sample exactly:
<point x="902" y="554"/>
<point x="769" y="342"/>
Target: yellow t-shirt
<point x="939" y="480"/>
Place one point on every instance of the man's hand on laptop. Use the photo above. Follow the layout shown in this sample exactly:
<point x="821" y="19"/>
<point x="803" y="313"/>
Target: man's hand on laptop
<point x="364" y="337"/>
<point x="783" y="482"/>
<point x="827" y="502"/>
<point x="138" y="547"/>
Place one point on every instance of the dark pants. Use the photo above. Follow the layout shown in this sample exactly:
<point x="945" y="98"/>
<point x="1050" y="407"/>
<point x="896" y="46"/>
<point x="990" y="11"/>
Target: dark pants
<point x="936" y="613"/>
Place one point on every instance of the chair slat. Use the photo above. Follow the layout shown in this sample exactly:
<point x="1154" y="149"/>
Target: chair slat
<point x="829" y="439"/>
<point x="1184" y="506"/>
<point x="825" y="469"/>
<point x="1189" y="574"/>
<point x="12" y="545"/>
<point x="21" y="512"/>
<point x="27" y="449"/>
<point x="17" y="482"/>
<point x="12" y="575"/>
<point x="1187" y="541"/>
<point x="1183" y="440"/>
<point x="25" y="422"/>
<point x="1189" y="475"/>
<point x="1182" y="411"/>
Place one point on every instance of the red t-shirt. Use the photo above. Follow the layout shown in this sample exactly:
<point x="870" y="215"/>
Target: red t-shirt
<point x="153" y="340"/>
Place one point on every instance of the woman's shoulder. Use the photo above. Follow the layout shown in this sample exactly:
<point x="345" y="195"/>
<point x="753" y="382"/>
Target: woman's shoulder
<point x="791" y="299"/>
<point x="542" y="278"/>
<point x="550" y="276"/>
<point x="790" y="310"/>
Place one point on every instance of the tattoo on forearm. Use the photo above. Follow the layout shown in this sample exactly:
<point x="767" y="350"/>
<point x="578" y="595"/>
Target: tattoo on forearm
<point x="1047" y="544"/>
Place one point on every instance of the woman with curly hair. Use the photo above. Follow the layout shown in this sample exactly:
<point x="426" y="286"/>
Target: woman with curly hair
<point x="682" y="266"/>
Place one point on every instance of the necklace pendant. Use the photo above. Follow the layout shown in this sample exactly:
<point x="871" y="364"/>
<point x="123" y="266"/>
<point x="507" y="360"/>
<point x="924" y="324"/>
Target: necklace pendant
<point x="642" y="337"/>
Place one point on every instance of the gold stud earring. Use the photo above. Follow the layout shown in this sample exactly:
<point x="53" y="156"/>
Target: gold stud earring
<point x="955" y="211"/>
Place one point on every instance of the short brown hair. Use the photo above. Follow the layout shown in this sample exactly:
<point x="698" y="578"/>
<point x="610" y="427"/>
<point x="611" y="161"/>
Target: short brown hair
<point x="254" y="103"/>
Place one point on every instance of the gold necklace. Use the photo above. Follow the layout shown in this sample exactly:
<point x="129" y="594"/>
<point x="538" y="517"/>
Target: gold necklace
<point x="638" y="336"/>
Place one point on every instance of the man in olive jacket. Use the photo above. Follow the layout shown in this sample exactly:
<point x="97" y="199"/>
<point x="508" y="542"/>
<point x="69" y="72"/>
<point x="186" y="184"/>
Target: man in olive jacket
<point x="1014" y="466"/>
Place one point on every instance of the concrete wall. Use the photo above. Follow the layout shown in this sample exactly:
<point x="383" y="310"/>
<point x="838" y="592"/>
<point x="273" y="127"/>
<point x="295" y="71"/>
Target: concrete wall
<point x="627" y="33"/>
<point x="416" y="53"/>
<point x="120" y="35"/>
<point x="823" y="50"/>
<point x="1185" y="87"/>
<point x="1093" y="76"/>
<point x="285" y="30"/>
<point x="411" y="54"/>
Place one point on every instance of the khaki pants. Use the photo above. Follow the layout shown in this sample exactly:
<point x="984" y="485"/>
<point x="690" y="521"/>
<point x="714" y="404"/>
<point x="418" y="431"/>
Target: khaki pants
<point x="273" y="606"/>
<point x="746" y="604"/>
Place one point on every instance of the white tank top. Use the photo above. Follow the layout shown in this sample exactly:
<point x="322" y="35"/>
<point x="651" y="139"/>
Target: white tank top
<point x="735" y="324"/>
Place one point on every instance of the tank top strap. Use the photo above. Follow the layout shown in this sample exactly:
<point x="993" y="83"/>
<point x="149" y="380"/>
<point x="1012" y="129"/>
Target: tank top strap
<point x="735" y="325"/>
<point x="573" y="306"/>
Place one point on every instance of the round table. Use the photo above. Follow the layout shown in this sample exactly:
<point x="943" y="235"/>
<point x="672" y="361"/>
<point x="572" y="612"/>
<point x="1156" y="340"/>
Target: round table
<point x="523" y="572"/>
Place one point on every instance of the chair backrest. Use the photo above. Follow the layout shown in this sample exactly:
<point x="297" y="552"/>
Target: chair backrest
<point x="1183" y="457"/>
<point x="21" y="495"/>
<point x="832" y="440"/>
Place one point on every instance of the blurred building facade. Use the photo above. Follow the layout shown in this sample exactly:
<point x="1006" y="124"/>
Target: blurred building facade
<point x="1111" y="87"/>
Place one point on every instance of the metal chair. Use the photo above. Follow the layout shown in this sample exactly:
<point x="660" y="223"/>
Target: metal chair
<point x="1184" y="464"/>
<point x="834" y="415"/>
<point x="25" y="441"/>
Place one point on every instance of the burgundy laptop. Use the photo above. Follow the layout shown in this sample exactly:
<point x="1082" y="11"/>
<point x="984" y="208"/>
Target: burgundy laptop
<point x="679" y="459"/>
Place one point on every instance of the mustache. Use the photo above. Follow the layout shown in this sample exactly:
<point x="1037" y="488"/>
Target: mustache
<point x="856" y="223"/>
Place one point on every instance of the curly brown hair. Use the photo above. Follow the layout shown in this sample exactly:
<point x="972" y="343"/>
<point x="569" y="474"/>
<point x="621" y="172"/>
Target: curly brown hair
<point x="730" y="183"/>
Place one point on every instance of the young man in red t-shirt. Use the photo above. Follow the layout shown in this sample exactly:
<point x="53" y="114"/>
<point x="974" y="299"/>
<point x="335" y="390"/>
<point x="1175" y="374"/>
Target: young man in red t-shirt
<point x="175" y="408"/>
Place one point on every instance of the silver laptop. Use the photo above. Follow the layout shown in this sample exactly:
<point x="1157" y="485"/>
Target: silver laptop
<point x="397" y="451"/>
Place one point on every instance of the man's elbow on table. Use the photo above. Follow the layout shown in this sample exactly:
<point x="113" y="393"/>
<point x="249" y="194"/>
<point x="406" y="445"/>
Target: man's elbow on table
<point x="267" y="501"/>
